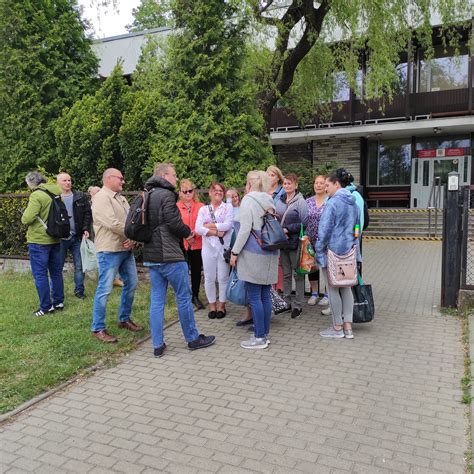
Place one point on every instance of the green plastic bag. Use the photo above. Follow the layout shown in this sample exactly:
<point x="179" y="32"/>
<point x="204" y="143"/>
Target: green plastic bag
<point x="307" y="261"/>
<point x="88" y="256"/>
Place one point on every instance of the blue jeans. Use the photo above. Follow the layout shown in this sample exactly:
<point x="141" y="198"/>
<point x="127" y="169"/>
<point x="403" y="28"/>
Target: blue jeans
<point x="177" y="274"/>
<point x="46" y="259"/>
<point x="260" y="302"/>
<point x="109" y="263"/>
<point x="74" y="244"/>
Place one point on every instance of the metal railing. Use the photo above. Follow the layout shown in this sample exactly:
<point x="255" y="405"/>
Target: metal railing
<point x="434" y="206"/>
<point x="467" y="256"/>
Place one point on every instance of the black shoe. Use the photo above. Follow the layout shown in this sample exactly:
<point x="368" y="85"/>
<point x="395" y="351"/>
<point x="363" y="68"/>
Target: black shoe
<point x="244" y="322"/>
<point x="212" y="314"/>
<point x="201" y="342"/>
<point x="159" y="351"/>
<point x="81" y="296"/>
<point x="59" y="306"/>
<point x="198" y="303"/>
<point x="284" y="309"/>
<point x="39" y="312"/>
<point x="221" y="314"/>
<point x="295" y="313"/>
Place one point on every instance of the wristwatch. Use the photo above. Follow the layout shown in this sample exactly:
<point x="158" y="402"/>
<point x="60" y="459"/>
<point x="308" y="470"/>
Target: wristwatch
<point x="235" y="254"/>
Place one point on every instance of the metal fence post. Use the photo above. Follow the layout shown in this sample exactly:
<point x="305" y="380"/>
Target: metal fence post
<point x="452" y="243"/>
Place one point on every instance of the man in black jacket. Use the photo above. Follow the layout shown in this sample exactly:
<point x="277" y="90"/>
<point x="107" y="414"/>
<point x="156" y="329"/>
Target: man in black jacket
<point x="80" y="219"/>
<point x="164" y="255"/>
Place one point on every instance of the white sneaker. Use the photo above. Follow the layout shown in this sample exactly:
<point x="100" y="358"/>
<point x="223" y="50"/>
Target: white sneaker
<point x="324" y="301"/>
<point x="255" y="343"/>
<point x="326" y="312"/>
<point x="312" y="301"/>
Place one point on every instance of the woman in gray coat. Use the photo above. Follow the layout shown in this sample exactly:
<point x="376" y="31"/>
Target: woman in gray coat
<point x="257" y="267"/>
<point x="293" y="212"/>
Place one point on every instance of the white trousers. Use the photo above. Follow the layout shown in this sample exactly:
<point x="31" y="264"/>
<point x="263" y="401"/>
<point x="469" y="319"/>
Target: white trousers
<point x="215" y="270"/>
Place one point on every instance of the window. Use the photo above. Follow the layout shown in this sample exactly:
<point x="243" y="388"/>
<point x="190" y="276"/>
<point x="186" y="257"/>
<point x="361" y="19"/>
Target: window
<point x="342" y="90"/>
<point x="432" y="143"/>
<point x="389" y="163"/>
<point x="341" y="87"/>
<point x="400" y="87"/>
<point x="444" y="71"/>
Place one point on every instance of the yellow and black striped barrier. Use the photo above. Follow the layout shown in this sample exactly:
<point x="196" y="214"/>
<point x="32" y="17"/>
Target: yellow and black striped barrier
<point x="400" y="211"/>
<point x="390" y="237"/>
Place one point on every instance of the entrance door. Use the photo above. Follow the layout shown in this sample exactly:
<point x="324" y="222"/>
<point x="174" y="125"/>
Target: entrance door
<point x="425" y="170"/>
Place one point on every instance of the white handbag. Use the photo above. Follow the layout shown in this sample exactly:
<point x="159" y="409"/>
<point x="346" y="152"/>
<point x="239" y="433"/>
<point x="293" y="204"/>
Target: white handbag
<point x="342" y="269"/>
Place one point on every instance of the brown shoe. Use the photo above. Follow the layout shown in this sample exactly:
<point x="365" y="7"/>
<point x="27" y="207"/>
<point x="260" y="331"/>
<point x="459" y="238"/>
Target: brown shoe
<point x="104" y="336"/>
<point x="118" y="282"/>
<point x="130" y="325"/>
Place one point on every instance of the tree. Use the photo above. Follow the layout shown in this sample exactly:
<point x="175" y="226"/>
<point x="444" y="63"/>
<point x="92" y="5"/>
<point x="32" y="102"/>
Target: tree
<point x="193" y="106"/>
<point x="312" y="41"/>
<point x="150" y="14"/>
<point x="87" y="134"/>
<point x="46" y="63"/>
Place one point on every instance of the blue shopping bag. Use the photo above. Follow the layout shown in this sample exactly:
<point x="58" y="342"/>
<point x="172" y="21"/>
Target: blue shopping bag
<point x="236" y="291"/>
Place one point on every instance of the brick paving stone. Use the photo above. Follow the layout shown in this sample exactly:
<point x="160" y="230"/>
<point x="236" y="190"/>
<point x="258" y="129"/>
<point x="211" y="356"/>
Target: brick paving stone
<point x="387" y="401"/>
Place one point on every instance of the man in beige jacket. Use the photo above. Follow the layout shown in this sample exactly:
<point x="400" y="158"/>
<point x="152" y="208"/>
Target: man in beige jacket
<point x="114" y="252"/>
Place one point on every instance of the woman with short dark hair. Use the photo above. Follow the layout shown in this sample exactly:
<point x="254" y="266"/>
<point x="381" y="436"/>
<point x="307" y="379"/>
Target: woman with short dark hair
<point x="293" y="213"/>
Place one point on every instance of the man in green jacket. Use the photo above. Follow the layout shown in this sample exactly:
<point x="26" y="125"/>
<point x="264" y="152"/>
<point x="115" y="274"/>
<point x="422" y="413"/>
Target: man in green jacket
<point x="44" y="250"/>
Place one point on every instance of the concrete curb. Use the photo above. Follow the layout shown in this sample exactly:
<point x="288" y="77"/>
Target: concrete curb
<point x="43" y="396"/>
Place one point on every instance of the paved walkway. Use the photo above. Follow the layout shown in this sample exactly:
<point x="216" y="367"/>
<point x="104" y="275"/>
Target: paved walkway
<point x="387" y="401"/>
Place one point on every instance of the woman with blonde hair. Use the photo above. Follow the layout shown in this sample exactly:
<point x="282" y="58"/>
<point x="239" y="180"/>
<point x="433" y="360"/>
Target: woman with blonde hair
<point x="257" y="267"/>
<point x="276" y="187"/>
<point x="189" y="205"/>
<point x="315" y="209"/>
<point x="215" y="223"/>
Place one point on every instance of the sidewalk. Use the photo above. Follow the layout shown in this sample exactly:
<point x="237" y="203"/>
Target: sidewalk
<point x="387" y="401"/>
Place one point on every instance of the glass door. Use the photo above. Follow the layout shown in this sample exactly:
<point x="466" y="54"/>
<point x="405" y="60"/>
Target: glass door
<point x="425" y="170"/>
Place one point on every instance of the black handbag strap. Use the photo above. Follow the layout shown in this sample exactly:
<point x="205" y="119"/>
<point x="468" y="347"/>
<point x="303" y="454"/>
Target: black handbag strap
<point x="214" y="221"/>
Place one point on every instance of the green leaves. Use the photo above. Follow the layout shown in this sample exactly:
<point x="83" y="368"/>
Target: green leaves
<point x="87" y="135"/>
<point x="45" y="65"/>
<point x="194" y="106"/>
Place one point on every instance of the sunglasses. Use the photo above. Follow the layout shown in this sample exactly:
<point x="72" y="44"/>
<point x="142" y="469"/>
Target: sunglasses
<point x="189" y="191"/>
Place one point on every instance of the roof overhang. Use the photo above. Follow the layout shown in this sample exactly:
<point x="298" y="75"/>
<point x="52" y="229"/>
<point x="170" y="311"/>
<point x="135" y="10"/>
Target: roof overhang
<point x="427" y="127"/>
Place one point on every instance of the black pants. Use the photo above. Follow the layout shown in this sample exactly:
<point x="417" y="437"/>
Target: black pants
<point x="195" y="265"/>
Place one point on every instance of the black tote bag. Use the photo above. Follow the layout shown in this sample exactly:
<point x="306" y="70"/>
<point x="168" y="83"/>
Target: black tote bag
<point x="364" y="307"/>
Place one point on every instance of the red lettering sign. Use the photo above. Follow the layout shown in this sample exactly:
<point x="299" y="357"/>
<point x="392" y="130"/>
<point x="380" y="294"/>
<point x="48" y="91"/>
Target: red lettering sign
<point x="454" y="152"/>
<point x="426" y="153"/>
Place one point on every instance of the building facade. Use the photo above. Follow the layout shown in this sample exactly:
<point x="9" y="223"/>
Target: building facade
<point x="396" y="154"/>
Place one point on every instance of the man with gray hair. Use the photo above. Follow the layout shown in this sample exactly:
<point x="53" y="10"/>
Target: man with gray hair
<point x="80" y="220"/>
<point x="114" y="252"/>
<point x="44" y="250"/>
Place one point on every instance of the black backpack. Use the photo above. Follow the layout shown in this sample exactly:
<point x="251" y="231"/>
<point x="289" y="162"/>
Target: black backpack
<point x="137" y="226"/>
<point x="366" y="211"/>
<point x="57" y="225"/>
<point x="366" y="215"/>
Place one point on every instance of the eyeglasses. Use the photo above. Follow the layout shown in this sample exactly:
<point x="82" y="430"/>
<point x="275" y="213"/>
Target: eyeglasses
<point x="118" y="177"/>
<point x="189" y="191"/>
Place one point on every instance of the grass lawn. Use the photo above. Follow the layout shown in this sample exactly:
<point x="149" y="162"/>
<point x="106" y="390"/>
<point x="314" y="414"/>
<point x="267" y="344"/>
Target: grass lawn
<point x="37" y="354"/>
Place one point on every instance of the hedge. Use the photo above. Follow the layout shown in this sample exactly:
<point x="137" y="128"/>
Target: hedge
<point x="12" y="231"/>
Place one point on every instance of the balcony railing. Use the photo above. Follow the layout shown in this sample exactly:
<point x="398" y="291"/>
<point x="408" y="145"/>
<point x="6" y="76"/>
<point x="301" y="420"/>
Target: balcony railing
<point x="411" y="107"/>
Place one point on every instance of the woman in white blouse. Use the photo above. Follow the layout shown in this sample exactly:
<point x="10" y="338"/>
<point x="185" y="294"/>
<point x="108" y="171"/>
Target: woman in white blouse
<point x="215" y="224"/>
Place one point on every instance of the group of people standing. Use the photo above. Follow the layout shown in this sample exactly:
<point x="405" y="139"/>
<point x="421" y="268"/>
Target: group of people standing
<point x="233" y="225"/>
<point x="191" y="237"/>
